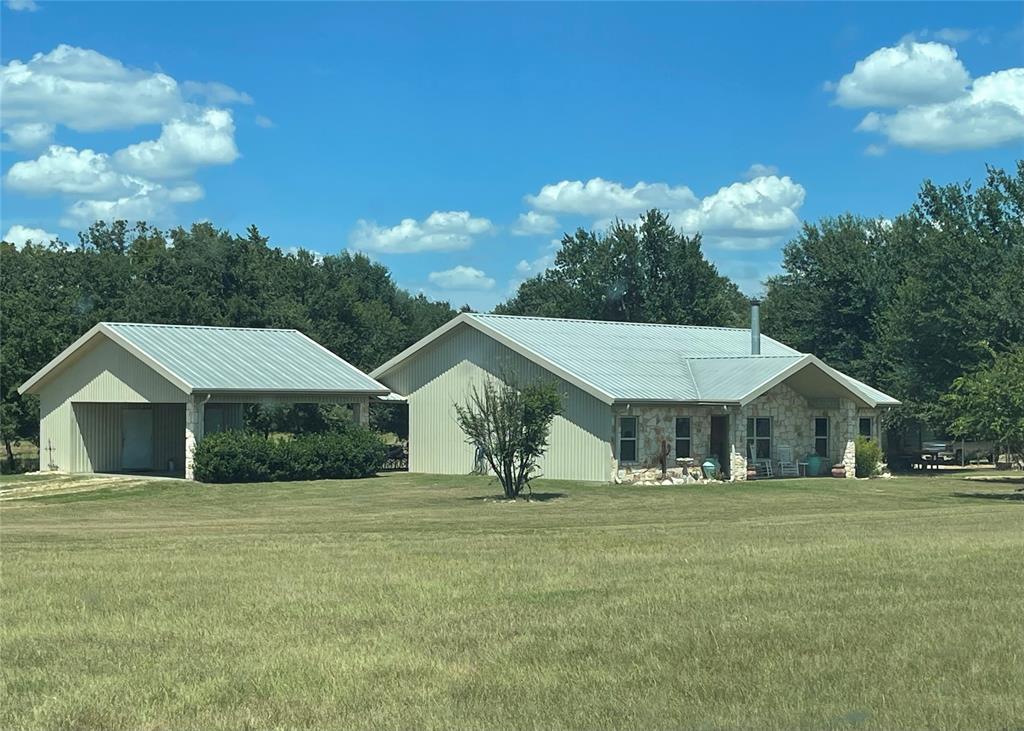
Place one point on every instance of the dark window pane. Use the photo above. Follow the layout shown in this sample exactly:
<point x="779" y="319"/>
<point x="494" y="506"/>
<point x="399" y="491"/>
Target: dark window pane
<point x="682" y="427"/>
<point x="821" y="427"/>
<point x="627" y="450"/>
<point x="821" y="447"/>
<point x="763" y="448"/>
<point x="764" y="427"/>
<point x="865" y="427"/>
<point x="627" y="427"/>
<point x="682" y="447"/>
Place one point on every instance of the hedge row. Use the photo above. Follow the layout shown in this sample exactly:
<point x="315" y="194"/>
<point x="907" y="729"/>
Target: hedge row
<point x="237" y="456"/>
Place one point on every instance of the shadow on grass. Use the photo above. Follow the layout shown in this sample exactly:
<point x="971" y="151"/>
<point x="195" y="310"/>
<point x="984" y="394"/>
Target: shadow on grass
<point x="1017" y="496"/>
<point x="537" y="497"/>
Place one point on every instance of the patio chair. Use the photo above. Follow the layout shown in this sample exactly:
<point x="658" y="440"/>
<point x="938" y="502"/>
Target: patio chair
<point x="787" y="466"/>
<point x="762" y="465"/>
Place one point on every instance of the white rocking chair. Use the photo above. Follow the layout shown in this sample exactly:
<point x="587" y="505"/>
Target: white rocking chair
<point x="762" y="466"/>
<point x="787" y="467"/>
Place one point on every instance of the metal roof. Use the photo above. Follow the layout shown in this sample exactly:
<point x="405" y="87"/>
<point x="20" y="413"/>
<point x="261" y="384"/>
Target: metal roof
<point x="197" y="358"/>
<point x="624" y="361"/>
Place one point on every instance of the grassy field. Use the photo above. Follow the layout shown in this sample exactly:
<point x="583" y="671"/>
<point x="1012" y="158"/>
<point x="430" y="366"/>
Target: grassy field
<point x="416" y="601"/>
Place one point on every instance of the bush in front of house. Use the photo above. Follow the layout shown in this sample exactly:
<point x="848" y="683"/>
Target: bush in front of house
<point x="235" y="456"/>
<point x="869" y="457"/>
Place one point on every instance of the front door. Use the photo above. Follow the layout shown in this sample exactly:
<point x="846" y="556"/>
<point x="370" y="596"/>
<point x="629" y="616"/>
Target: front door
<point x="720" y="441"/>
<point x="137" y="439"/>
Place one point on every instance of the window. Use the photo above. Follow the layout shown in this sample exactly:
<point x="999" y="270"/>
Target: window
<point x="213" y="420"/>
<point x="759" y="437"/>
<point x="627" y="439"/>
<point x="865" y="427"/>
<point x="821" y="436"/>
<point x="682" y="437"/>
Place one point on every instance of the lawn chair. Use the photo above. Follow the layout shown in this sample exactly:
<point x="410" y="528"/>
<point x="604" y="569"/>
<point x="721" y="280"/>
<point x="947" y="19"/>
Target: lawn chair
<point x="762" y="465"/>
<point x="787" y="467"/>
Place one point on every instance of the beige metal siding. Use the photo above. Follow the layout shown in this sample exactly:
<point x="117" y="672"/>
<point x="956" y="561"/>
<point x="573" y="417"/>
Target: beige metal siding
<point x="441" y="376"/>
<point x="84" y="399"/>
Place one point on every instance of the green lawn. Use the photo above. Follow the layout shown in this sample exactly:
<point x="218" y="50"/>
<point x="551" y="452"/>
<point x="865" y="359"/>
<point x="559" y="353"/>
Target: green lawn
<point x="411" y="601"/>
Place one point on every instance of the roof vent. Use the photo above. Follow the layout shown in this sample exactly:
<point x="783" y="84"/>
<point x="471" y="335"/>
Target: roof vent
<point x="755" y="327"/>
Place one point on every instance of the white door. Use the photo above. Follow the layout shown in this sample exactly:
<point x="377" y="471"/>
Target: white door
<point x="137" y="439"/>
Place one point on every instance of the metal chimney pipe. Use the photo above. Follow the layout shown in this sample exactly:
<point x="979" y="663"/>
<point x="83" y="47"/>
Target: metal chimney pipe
<point x="755" y="327"/>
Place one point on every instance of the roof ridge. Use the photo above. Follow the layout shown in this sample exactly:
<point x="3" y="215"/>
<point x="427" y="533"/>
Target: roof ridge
<point x="199" y="327"/>
<point x="608" y="322"/>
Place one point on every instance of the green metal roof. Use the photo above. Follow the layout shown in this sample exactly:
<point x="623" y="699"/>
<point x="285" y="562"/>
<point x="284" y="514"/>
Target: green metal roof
<point x="199" y="358"/>
<point x="624" y="361"/>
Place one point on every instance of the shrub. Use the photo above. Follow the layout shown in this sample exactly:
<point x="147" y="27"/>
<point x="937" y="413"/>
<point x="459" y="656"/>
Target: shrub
<point x="347" y="452"/>
<point x="869" y="457"/>
<point x="232" y="456"/>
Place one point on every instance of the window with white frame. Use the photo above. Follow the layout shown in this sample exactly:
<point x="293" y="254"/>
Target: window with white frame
<point x="627" y="439"/>
<point x="821" y="436"/>
<point x="759" y="437"/>
<point x="682" y="436"/>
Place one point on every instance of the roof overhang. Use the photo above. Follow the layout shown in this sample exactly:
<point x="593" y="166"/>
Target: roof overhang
<point x="515" y="346"/>
<point x="811" y="373"/>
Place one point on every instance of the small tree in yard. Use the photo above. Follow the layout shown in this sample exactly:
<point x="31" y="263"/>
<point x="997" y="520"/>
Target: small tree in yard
<point x="989" y="404"/>
<point x="509" y="425"/>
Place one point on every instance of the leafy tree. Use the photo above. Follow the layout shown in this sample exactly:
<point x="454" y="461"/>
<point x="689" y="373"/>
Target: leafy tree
<point x="988" y="403"/>
<point x="509" y="425"/>
<point x="635" y="272"/>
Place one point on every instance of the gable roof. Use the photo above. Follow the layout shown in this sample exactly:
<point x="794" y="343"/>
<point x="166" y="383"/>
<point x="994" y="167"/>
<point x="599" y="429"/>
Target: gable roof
<point x="623" y="361"/>
<point x="197" y="358"/>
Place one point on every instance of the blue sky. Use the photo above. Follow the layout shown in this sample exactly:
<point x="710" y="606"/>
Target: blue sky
<point x="421" y="133"/>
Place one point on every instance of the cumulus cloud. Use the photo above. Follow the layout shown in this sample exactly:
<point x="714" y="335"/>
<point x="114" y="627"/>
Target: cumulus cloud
<point x="185" y="144"/>
<point x="601" y="198"/>
<point x="440" y="231"/>
<point x="86" y="91"/>
<point x="935" y="104"/>
<point x="20" y="235"/>
<point x="745" y="215"/>
<point x="533" y="223"/>
<point x="758" y="170"/>
<point x="910" y="73"/>
<point x="461" y="278"/>
<point x="148" y="202"/>
<point x="63" y="169"/>
<point x="29" y="135"/>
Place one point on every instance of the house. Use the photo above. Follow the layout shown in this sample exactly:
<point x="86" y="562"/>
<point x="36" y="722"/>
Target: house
<point x="137" y="397"/>
<point x="633" y="390"/>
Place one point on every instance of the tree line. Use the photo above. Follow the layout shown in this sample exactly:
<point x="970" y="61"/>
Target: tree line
<point x="908" y="305"/>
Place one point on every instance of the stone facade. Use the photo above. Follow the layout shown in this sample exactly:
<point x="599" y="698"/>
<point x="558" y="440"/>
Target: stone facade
<point x="195" y="408"/>
<point x="792" y="425"/>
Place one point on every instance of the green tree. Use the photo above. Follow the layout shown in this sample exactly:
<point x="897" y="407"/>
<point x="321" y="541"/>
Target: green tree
<point x="988" y="404"/>
<point x="635" y="272"/>
<point x="509" y="425"/>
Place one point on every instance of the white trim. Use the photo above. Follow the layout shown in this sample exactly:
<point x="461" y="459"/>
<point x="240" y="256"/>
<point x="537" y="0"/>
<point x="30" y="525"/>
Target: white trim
<point x="467" y="319"/>
<point x="798" y="366"/>
<point x="635" y="439"/>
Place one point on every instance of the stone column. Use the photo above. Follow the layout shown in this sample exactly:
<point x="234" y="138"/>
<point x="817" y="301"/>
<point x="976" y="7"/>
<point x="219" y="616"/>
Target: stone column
<point x="850" y="450"/>
<point x="195" y="413"/>
<point x="738" y="445"/>
<point x="361" y="412"/>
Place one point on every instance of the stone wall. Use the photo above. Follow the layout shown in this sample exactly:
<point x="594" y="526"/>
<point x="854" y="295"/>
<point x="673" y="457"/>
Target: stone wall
<point x="792" y="418"/>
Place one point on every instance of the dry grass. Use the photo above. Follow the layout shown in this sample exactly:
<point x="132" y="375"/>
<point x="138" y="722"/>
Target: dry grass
<point x="409" y="601"/>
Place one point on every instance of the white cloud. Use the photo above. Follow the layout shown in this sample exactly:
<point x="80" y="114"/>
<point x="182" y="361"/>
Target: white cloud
<point x="63" y="169"/>
<point x="20" y="235"/>
<point x="758" y="170"/>
<point x="991" y="113"/>
<point x="185" y="144"/>
<point x="264" y="122"/>
<point x="27" y="5"/>
<point x="533" y="223"/>
<point x="440" y="231"/>
<point x="954" y="35"/>
<point x="461" y="278"/>
<point x="29" y="135"/>
<point x="599" y="197"/>
<point x="765" y="205"/>
<point x="86" y="91"/>
<point x="214" y="92"/>
<point x="910" y="73"/>
<point x="149" y="202"/>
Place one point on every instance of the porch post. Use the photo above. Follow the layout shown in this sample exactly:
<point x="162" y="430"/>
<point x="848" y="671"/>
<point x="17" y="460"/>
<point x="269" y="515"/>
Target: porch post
<point x="361" y="412"/>
<point x="738" y="445"/>
<point x="850" y="447"/>
<point x="194" y="426"/>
